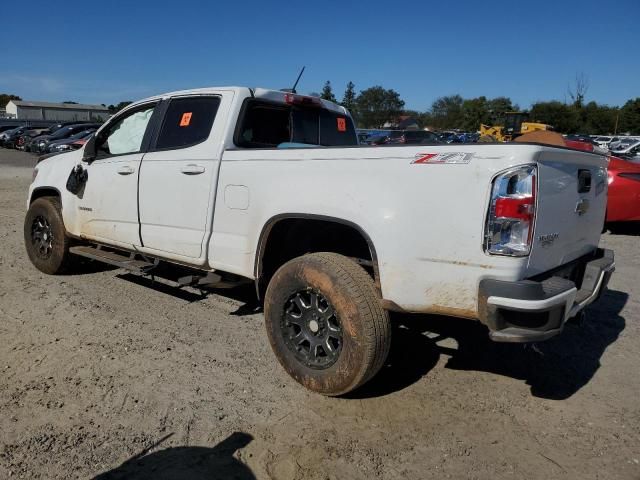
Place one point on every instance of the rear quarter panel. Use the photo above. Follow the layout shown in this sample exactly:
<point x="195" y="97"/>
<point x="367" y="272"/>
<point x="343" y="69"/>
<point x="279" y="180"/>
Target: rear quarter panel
<point x="425" y="220"/>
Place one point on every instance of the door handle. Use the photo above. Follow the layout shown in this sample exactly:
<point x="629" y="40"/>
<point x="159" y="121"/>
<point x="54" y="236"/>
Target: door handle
<point x="126" y="170"/>
<point x="192" y="169"/>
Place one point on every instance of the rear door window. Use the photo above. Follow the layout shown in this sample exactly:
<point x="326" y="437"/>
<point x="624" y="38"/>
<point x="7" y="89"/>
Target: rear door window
<point x="187" y="122"/>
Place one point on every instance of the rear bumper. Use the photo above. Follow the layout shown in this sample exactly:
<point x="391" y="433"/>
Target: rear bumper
<point x="532" y="311"/>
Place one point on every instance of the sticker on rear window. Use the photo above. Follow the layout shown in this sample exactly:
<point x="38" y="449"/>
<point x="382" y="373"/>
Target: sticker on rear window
<point x="186" y="119"/>
<point x="448" y="157"/>
<point x="342" y="124"/>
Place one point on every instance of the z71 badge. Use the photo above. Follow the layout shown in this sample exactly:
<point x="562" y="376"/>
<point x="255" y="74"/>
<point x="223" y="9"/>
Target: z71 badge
<point x="448" y="157"/>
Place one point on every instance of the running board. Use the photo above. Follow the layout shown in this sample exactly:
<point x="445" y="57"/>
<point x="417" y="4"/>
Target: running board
<point x="112" y="258"/>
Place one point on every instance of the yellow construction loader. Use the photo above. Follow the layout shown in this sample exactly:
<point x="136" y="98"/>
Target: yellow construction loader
<point x="515" y="124"/>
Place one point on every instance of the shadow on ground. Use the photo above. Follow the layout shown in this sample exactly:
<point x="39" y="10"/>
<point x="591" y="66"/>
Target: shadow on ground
<point x="624" y="228"/>
<point x="193" y="463"/>
<point x="244" y="293"/>
<point x="555" y="369"/>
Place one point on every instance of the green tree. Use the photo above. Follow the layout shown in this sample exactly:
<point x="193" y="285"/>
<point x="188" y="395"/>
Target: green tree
<point x="446" y="112"/>
<point x="118" y="107"/>
<point x="498" y="107"/>
<point x="596" y="118"/>
<point x="349" y="97"/>
<point x="630" y="117"/>
<point x="6" y="98"/>
<point x="564" y="118"/>
<point x="475" y="111"/>
<point x="327" y="92"/>
<point x="376" y="105"/>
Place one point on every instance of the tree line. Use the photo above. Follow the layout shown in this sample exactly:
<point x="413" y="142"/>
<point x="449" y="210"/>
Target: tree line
<point x="375" y="106"/>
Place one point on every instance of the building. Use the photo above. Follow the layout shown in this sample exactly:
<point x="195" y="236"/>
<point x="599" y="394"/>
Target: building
<point x="62" y="112"/>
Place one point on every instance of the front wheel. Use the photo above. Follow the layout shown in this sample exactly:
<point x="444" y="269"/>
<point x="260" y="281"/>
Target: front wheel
<point x="325" y="323"/>
<point x="45" y="237"/>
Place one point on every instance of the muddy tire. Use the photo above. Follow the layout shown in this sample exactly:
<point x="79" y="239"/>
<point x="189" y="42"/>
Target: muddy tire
<point x="45" y="237"/>
<point x="325" y="323"/>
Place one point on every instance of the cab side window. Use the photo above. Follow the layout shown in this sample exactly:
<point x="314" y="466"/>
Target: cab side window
<point x="125" y="135"/>
<point x="188" y="121"/>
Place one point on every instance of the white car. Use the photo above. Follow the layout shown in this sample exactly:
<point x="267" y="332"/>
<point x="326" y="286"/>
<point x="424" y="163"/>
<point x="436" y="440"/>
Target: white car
<point x="231" y="185"/>
<point x="630" y="150"/>
<point x="622" y="143"/>
<point x="604" y="141"/>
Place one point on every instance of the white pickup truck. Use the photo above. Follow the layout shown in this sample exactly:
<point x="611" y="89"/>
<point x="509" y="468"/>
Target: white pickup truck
<point x="232" y="185"/>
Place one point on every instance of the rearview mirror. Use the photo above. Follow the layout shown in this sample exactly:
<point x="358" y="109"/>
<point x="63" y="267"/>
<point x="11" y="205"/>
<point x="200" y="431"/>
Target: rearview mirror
<point x="89" y="154"/>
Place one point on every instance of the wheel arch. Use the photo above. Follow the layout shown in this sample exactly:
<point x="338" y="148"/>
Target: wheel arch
<point x="40" y="192"/>
<point x="300" y="218"/>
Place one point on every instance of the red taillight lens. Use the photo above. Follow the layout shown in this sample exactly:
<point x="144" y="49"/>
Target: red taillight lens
<point x="513" y="207"/>
<point x="511" y="216"/>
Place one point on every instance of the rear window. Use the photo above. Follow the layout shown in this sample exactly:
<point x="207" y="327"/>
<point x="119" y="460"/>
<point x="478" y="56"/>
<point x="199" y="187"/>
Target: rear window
<point x="267" y="125"/>
<point x="188" y="121"/>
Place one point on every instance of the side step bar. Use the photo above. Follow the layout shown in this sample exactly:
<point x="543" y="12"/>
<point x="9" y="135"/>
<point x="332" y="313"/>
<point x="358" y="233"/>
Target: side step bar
<point x="127" y="262"/>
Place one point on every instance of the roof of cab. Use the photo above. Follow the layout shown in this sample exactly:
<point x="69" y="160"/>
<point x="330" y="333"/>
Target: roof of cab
<point x="263" y="93"/>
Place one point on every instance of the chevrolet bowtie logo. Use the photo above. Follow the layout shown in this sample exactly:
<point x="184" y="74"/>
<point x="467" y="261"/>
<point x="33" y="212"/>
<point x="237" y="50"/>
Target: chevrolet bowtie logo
<point x="582" y="206"/>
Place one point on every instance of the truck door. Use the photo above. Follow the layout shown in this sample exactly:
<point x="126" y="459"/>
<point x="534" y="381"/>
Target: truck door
<point x="108" y="206"/>
<point x="178" y="178"/>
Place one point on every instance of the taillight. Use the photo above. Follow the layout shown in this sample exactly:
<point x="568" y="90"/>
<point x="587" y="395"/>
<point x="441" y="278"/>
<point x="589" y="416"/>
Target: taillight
<point x="302" y="100"/>
<point x="512" y="212"/>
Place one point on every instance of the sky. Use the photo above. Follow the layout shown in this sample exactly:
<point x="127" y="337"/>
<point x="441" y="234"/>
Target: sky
<point x="107" y="52"/>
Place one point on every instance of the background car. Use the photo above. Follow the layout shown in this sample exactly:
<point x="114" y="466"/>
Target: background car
<point x="416" y="137"/>
<point x="10" y="137"/>
<point x="624" y="193"/>
<point x="623" y="205"/>
<point x="4" y="128"/>
<point x="629" y="151"/>
<point x="386" y="137"/>
<point x="28" y="135"/>
<point x="41" y="143"/>
<point x="66" y="143"/>
<point x="621" y="143"/>
<point x="580" y="138"/>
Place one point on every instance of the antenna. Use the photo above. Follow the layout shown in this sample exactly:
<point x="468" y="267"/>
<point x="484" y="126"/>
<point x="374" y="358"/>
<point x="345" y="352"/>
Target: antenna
<point x="293" y="89"/>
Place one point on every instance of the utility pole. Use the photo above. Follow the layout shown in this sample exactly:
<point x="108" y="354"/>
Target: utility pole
<point x="615" y="130"/>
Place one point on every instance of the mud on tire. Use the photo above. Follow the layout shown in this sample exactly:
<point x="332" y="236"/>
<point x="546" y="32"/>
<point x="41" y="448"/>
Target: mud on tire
<point x="45" y="237"/>
<point x="325" y="323"/>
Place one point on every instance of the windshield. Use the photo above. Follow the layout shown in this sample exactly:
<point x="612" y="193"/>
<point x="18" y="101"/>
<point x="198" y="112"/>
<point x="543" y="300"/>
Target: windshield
<point x="62" y="133"/>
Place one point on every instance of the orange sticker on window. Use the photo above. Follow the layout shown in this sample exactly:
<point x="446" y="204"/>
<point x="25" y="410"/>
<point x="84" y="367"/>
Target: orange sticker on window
<point x="186" y="119"/>
<point x="342" y="125"/>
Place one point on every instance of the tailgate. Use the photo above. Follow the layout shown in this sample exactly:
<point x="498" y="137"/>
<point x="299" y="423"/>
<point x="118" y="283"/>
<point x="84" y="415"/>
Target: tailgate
<point x="572" y="200"/>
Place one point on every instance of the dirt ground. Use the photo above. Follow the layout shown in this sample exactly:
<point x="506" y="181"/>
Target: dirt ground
<point x="106" y="375"/>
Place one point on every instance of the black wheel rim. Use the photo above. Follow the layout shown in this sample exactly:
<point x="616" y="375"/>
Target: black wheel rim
<point x="311" y="329"/>
<point x="42" y="236"/>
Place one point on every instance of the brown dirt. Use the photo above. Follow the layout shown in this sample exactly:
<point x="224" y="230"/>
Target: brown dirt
<point x="106" y="374"/>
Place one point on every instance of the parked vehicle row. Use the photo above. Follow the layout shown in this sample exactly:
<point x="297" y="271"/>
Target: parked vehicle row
<point x="414" y="137"/>
<point x="42" y="139"/>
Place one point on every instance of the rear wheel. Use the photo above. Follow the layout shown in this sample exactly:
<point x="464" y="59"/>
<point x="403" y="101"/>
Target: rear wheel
<point x="45" y="237"/>
<point x="325" y="323"/>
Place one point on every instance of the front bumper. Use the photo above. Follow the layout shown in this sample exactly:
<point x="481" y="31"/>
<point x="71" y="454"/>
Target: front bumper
<point x="537" y="309"/>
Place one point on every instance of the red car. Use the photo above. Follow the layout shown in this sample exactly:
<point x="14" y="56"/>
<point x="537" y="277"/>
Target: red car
<point x="624" y="191"/>
<point x="624" y="188"/>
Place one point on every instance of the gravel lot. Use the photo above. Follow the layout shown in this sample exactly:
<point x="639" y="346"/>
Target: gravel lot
<point x="106" y="375"/>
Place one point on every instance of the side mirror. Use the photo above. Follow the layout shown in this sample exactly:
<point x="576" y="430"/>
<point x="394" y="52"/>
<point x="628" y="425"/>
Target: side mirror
<point x="89" y="154"/>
